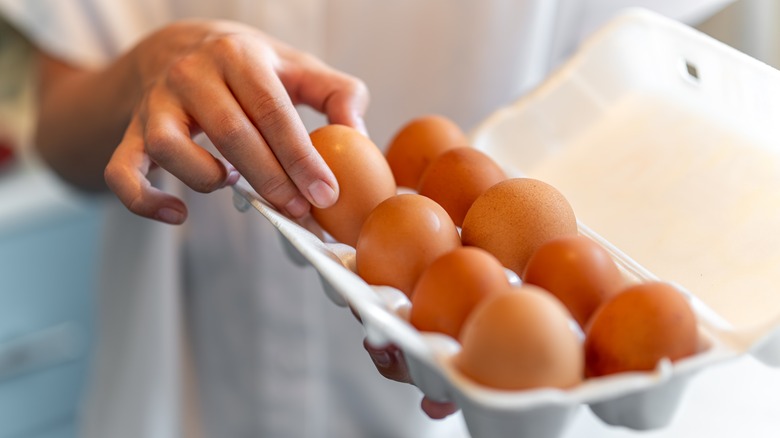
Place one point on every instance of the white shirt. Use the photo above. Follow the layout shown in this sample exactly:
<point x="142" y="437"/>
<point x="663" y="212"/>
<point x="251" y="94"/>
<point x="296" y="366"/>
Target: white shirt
<point x="216" y="298"/>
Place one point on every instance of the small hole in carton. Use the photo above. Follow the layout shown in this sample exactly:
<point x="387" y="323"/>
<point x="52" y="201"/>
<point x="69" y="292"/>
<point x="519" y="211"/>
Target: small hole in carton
<point x="690" y="72"/>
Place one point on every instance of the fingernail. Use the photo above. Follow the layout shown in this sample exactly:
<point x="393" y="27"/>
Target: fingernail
<point x="232" y="178"/>
<point x="382" y="358"/>
<point x="360" y="125"/>
<point x="170" y="216"/>
<point x="322" y="194"/>
<point x="297" y="207"/>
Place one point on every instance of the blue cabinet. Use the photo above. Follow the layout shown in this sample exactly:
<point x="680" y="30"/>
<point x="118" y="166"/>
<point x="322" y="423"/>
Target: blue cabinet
<point x="48" y="275"/>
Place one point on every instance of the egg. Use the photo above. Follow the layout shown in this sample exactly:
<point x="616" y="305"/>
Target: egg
<point x="457" y="177"/>
<point x="363" y="175"/>
<point x="578" y="271"/>
<point x="452" y="286"/>
<point x="400" y="238"/>
<point x="417" y="143"/>
<point x="520" y="339"/>
<point x="637" y="328"/>
<point x="514" y="217"/>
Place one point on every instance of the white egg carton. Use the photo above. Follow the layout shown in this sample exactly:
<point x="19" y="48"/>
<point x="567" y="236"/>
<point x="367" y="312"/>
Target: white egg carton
<point x="665" y="142"/>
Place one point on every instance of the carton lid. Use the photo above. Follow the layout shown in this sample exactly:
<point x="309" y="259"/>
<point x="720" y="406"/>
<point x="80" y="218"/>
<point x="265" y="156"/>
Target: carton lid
<point x="665" y="142"/>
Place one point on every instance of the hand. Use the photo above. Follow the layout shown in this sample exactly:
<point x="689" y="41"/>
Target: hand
<point x="239" y="87"/>
<point x="390" y="363"/>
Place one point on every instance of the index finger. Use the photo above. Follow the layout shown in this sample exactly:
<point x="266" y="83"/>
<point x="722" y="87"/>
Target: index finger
<point x="341" y="97"/>
<point x="126" y="176"/>
<point x="266" y="102"/>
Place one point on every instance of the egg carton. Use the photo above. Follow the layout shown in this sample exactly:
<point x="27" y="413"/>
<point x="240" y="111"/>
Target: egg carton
<point x="664" y="142"/>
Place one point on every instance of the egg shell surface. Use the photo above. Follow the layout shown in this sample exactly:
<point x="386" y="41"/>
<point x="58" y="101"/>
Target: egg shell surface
<point x="400" y="238"/>
<point x="363" y="175"/>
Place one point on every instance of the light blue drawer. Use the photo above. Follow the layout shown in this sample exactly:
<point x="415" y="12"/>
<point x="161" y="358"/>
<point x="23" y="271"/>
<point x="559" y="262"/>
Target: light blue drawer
<point x="47" y="288"/>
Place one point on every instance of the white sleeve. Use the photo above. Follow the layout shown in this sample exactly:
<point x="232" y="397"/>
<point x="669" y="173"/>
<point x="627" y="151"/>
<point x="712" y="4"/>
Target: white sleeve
<point x="84" y="32"/>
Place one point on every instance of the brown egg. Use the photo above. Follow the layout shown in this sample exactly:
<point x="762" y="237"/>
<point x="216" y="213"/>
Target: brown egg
<point x="417" y="143"/>
<point x="400" y="238"/>
<point x="637" y="328"/>
<point x="520" y="339"/>
<point x="457" y="177"/>
<point x="452" y="286"/>
<point x="363" y="175"/>
<point x="578" y="271"/>
<point x="514" y="217"/>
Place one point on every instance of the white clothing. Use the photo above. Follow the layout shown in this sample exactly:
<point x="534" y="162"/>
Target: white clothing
<point x="273" y="357"/>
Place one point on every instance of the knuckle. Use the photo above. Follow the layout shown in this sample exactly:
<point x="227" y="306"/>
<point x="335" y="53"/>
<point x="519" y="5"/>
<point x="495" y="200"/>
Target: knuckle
<point x="228" y="45"/>
<point x="299" y="162"/>
<point x="205" y="177"/>
<point x="188" y="67"/>
<point x="183" y="70"/>
<point x="134" y="202"/>
<point x="111" y="174"/>
<point x="272" y="111"/>
<point x="308" y="59"/>
<point x="231" y="132"/>
<point x="207" y="182"/>
<point x="137" y="205"/>
<point x="275" y="186"/>
<point x="160" y="144"/>
<point x="348" y="90"/>
<point x="357" y="86"/>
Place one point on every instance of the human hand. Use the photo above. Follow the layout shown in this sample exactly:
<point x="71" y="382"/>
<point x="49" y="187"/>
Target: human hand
<point x="239" y="87"/>
<point x="390" y="363"/>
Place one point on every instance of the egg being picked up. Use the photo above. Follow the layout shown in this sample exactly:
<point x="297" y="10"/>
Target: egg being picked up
<point x="363" y="175"/>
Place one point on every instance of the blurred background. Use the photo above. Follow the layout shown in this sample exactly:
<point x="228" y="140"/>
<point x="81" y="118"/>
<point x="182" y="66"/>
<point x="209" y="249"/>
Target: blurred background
<point x="50" y="236"/>
<point x="49" y="239"/>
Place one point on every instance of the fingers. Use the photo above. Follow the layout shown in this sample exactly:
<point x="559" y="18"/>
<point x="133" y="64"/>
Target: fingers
<point x="389" y="361"/>
<point x="126" y="175"/>
<point x="438" y="410"/>
<point x="264" y="99"/>
<point x="168" y="140"/>
<point x="240" y="142"/>
<point x="341" y="97"/>
<point x="240" y="89"/>
<point x="159" y="134"/>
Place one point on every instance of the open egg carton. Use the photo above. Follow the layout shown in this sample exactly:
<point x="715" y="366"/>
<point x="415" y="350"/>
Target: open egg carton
<point x="665" y="142"/>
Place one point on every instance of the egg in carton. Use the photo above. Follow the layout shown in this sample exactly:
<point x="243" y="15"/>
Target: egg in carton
<point x="663" y="140"/>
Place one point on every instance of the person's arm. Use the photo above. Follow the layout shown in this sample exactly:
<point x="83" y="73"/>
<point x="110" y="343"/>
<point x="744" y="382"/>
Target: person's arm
<point x="232" y="82"/>
<point x="82" y="117"/>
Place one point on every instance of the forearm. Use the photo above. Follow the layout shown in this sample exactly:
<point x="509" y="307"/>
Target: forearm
<point x="82" y="117"/>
